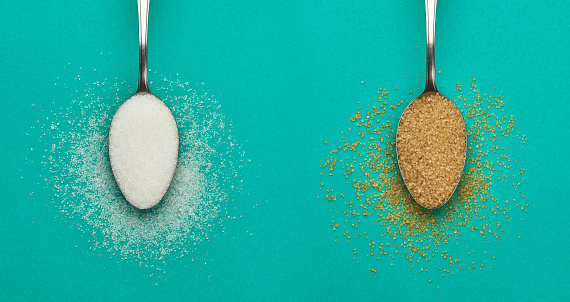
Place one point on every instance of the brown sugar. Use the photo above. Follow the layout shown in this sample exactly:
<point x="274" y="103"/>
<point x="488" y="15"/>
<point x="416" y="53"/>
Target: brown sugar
<point x="376" y="214"/>
<point x="431" y="146"/>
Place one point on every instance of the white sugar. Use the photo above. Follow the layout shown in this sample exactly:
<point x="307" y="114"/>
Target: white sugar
<point x="85" y="192"/>
<point x="143" y="149"/>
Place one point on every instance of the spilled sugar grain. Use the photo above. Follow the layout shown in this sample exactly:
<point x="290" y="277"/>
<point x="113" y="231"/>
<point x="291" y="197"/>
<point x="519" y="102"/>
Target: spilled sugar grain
<point x="373" y="211"/>
<point x="194" y="207"/>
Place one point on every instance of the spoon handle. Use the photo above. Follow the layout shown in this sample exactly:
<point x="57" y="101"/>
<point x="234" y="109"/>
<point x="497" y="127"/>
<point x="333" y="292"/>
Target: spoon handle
<point x="430" y="46"/>
<point x="143" y="32"/>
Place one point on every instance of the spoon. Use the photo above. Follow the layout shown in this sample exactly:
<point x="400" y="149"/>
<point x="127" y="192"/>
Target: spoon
<point x="431" y="140"/>
<point x="143" y="138"/>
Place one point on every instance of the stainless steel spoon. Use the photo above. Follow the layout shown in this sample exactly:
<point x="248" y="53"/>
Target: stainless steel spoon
<point x="431" y="90"/>
<point x="143" y="138"/>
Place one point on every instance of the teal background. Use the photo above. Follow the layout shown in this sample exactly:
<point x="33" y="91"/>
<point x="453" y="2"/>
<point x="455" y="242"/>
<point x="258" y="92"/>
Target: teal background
<point x="288" y="74"/>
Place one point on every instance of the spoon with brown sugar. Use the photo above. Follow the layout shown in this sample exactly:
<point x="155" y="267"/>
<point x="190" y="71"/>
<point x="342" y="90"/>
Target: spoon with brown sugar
<point x="431" y="140"/>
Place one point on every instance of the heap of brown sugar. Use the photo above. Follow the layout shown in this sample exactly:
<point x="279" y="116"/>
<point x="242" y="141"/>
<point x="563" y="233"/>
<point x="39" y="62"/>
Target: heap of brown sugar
<point x="431" y="146"/>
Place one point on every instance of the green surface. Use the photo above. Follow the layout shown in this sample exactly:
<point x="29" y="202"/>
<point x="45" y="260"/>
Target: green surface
<point x="288" y="75"/>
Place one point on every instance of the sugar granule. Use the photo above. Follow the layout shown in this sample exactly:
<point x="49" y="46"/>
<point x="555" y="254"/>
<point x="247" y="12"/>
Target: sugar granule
<point x="194" y="207"/>
<point x="431" y="145"/>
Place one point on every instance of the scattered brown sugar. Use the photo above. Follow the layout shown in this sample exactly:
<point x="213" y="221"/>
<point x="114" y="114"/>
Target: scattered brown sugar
<point x="375" y="214"/>
<point x="431" y="146"/>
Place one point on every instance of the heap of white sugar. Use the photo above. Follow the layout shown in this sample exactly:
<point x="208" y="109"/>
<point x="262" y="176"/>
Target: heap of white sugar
<point x="143" y="149"/>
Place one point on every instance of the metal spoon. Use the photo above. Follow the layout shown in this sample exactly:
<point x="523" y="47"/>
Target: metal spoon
<point x="143" y="138"/>
<point x="430" y="91"/>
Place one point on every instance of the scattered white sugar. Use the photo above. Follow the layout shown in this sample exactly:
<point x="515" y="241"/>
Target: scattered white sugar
<point x="78" y="172"/>
<point x="143" y="149"/>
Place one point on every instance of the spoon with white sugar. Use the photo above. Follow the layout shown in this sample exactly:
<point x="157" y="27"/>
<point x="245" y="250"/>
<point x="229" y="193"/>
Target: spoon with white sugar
<point x="143" y="139"/>
<point x="431" y="141"/>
